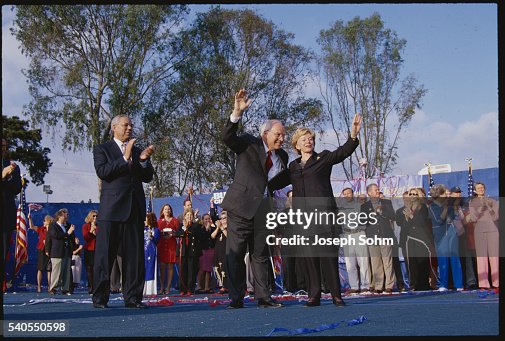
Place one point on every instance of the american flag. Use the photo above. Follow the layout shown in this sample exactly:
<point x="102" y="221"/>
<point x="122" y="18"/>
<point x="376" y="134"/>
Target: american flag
<point x="21" y="232"/>
<point x="470" y="181"/>
<point x="34" y="207"/>
<point x="149" y="208"/>
<point x="432" y="183"/>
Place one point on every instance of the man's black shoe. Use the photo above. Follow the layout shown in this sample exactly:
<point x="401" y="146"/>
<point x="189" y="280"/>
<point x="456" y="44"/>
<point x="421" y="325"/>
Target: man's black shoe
<point x="235" y="305"/>
<point x="136" y="305"/>
<point x="269" y="303"/>
<point x="338" y="302"/>
<point x="313" y="302"/>
<point x="100" y="305"/>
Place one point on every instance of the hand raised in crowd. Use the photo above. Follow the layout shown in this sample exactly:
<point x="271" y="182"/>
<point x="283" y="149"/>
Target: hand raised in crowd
<point x="71" y="229"/>
<point x="7" y="171"/>
<point x="356" y="125"/>
<point x="241" y="103"/>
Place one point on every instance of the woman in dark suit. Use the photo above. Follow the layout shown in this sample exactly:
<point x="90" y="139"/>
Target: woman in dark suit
<point x="310" y="177"/>
<point x="188" y="252"/>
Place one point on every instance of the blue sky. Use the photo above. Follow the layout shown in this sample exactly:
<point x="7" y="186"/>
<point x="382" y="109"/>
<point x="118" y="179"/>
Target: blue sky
<point x="451" y="48"/>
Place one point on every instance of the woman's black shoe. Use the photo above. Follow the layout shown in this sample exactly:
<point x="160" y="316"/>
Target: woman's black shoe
<point x="313" y="302"/>
<point x="338" y="302"/>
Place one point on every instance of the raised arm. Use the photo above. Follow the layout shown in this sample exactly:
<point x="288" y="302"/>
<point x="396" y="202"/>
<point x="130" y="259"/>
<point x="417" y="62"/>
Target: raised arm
<point x="344" y="151"/>
<point x="229" y="133"/>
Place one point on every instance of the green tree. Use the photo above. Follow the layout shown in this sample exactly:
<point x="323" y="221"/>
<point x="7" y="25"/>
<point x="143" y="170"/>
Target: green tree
<point x="225" y="50"/>
<point x="24" y="146"/>
<point x="359" y="70"/>
<point x="89" y="63"/>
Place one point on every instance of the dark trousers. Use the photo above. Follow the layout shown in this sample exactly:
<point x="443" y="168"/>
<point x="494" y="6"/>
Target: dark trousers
<point x="468" y="262"/>
<point x="419" y="265"/>
<point x="187" y="273"/>
<point x="242" y="234"/>
<point x="6" y="241"/>
<point x="115" y="275"/>
<point x="129" y="236"/>
<point x="295" y="273"/>
<point x="328" y="267"/>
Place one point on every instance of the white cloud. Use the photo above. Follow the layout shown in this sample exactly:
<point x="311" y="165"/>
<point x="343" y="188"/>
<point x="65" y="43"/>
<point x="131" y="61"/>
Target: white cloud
<point x="72" y="178"/>
<point x="444" y="142"/>
<point x="439" y="142"/>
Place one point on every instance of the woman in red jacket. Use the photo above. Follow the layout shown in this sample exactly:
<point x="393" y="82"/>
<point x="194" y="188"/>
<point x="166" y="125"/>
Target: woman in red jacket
<point x="89" y="233"/>
<point x="42" y="258"/>
<point x="168" y="225"/>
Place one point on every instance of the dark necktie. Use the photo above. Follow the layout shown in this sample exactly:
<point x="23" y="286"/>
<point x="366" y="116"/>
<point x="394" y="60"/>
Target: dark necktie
<point x="268" y="162"/>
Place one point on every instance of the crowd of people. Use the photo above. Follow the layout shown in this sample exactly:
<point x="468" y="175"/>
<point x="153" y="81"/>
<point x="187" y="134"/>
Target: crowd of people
<point x="437" y="238"/>
<point x="441" y="235"/>
<point x="447" y="241"/>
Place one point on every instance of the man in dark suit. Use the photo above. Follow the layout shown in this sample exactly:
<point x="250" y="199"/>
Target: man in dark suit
<point x="11" y="186"/>
<point x="259" y="159"/>
<point x="381" y="256"/>
<point x="122" y="167"/>
<point x="59" y="246"/>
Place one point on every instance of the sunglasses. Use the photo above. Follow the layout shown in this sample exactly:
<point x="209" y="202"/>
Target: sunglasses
<point x="413" y="194"/>
<point x="94" y="216"/>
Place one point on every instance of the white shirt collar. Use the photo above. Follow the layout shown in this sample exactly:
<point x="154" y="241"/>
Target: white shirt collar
<point x="62" y="227"/>
<point x="118" y="142"/>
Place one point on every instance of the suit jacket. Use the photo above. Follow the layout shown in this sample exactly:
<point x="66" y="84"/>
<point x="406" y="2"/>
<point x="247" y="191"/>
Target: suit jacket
<point x="121" y="184"/>
<point x="60" y="244"/>
<point x="402" y="223"/>
<point x="10" y="188"/>
<point x="419" y="226"/>
<point x="311" y="184"/>
<point x="189" y="241"/>
<point x="313" y="180"/>
<point x="245" y="194"/>
<point x="383" y="228"/>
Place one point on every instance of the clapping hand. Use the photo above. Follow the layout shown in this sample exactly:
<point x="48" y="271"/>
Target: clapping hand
<point x="146" y="153"/>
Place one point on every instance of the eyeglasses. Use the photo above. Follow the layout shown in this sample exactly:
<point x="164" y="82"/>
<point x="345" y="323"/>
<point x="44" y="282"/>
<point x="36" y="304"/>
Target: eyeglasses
<point x="222" y="218"/>
<point x="277" y="135"/>
<point x="95" y="216"/>
<point x="413" y="195"/>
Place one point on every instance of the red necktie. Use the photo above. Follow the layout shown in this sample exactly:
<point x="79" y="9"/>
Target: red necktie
<point x="268" y="162"/>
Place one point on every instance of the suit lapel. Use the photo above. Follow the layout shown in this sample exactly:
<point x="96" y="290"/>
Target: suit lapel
<point x="262" y="156"/>
<point x="311" y="160"/>
<point x="114" y="149"/>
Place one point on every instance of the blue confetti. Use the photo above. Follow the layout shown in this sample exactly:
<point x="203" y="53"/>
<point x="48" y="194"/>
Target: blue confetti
<point x="321" y="328"/>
